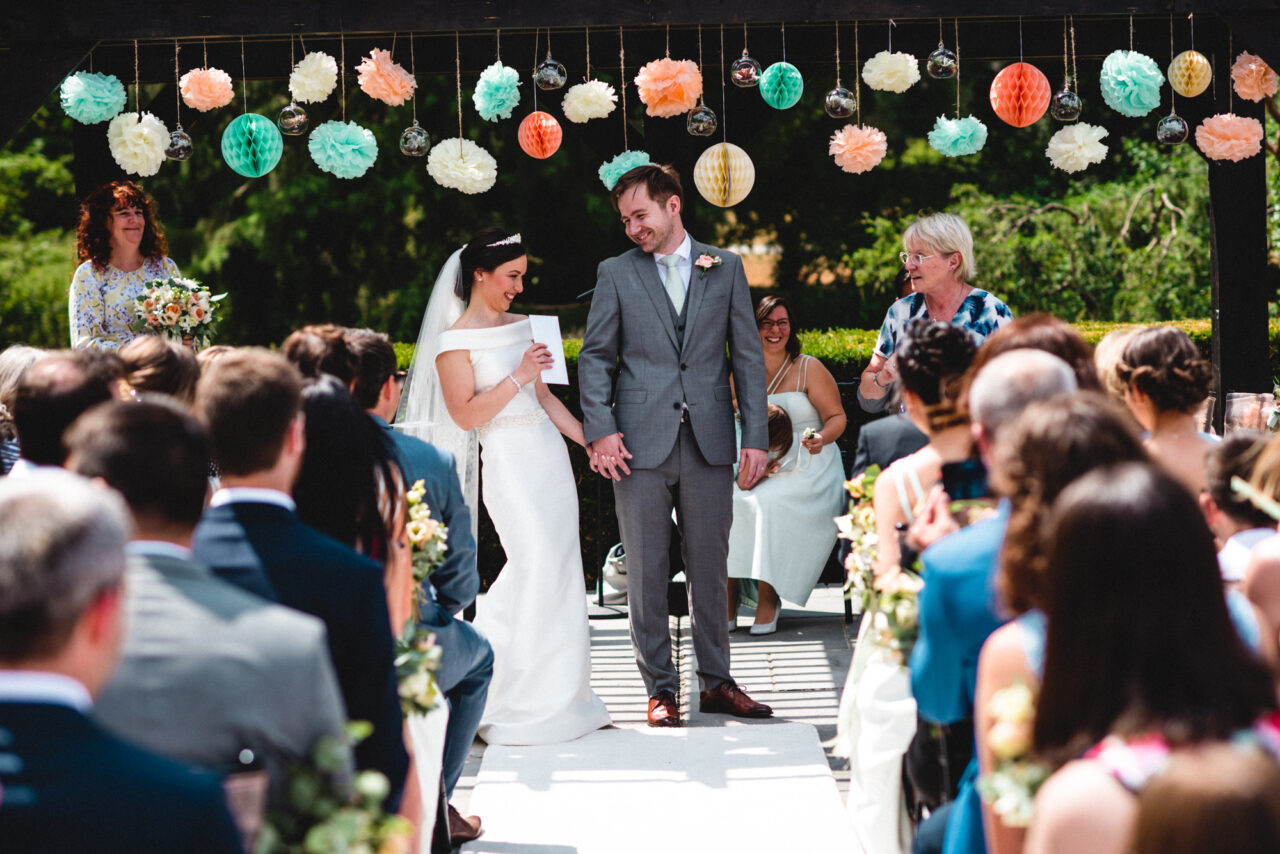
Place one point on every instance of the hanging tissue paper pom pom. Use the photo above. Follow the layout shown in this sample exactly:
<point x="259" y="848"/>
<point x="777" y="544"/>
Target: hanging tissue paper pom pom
<point x="343" y="148"/>
<point x="540" y="135"/>
<point x="958" y="137"/>
<point x="1020" y="94"/>
<point x="90" y="98"/>
<point x="1131" y="83"/>
<point x="314" y="78"/>
<point x="385" y="80"/>
<point x="1190" y="73"/>
<point x="781" y="85"/>
<point x="1227" y="136"/>
<point x="497" y="93"/>
<point x="724" y="174"/>
<point x="669" y="87"/>
<point x="858" y="148"/>
<point x="891" y="72"/>
<point x="1252" y="78"/>
<point x="611" y="170"/>
<point x="1077" y="146"/>
<point x="252" y="145"/>
<point x="591" y="100"/>
<point x="460" y="164"/>
<point x="204" y="89"/>
<point x="138" y="146"/>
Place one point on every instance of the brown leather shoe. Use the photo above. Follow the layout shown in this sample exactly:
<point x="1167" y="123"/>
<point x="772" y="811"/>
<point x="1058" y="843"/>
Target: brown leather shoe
<point x="663" y="710"/>
<point x="729" y="699"/>
<point x="463" y="828"/>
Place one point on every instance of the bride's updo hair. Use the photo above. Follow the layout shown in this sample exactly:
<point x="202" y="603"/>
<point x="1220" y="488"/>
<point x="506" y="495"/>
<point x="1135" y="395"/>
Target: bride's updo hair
<point x="486" y="251"/>
<point x="1164" y="364"/>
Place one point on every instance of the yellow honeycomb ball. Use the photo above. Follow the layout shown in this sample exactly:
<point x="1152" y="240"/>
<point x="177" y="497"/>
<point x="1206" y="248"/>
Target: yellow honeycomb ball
<point x="1190" y="73"/>
<point x="724" y="174"/>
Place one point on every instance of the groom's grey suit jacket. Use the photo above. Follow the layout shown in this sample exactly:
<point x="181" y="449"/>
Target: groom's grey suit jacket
<point x="664" y="360"/>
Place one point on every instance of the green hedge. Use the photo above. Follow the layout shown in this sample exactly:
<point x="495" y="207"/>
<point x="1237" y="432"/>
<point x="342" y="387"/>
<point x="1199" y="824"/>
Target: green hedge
<point x="845" y="352"/>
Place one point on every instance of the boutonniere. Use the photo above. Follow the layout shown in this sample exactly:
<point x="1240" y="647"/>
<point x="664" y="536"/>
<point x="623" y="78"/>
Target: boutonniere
<point x="705" y="262"/>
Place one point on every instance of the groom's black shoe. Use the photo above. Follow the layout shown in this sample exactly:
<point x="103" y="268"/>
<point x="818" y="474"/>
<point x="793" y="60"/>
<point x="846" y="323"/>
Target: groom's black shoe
<point x="663" y="710"/>
<point x="729" y="699"/>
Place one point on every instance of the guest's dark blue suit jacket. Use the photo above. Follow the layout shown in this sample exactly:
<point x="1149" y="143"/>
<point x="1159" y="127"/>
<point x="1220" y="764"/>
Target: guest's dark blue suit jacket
<point x="265" y="549"/>
<point x="68" y="786"/>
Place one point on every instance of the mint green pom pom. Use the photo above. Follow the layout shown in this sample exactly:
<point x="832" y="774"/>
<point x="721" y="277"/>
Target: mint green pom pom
<point x="781" y="85"/>
<point x="90" y="98"/>
<point x="344" y="149"/>
<point x="612" y="170"/>
<point x="252" y="145"/>
<point x="497" y="93"/>
<point x="1131" y="83"/>
<point x="958" y="137"/>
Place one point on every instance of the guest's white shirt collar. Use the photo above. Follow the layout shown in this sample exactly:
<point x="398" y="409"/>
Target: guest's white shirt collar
<point x="684" y="250"/>
<point x="37" y="686"/>
<point x="252" y="495"/>
<point x="158" y="548"/>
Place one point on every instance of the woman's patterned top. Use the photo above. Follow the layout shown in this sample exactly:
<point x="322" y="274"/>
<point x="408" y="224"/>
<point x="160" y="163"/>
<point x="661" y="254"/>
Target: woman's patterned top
<point x="980" y="313"/>
<point x="101" y="302"/>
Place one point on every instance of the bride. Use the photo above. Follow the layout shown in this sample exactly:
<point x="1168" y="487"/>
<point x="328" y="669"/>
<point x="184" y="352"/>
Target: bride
<point x="487" y="385"/>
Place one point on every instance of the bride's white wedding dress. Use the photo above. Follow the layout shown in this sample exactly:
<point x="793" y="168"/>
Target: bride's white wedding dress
<point x="535" y="613"/>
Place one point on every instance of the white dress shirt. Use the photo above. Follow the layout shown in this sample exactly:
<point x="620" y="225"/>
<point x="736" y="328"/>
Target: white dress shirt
<point x="252" y="495"/>
<point x="684" y="250"/>
<point x="38" y="686"/>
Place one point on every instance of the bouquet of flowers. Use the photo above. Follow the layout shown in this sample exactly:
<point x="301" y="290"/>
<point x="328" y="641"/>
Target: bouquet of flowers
<point x="176" y="308"/>
<point x="858" y="526"/>
<point x="896" y="613"/>
<point x="417" y="658"/>
<point x="1011" y="787"/>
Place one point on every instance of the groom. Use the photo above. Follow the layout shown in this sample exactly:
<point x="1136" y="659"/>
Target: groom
<point x="661" y="320"/>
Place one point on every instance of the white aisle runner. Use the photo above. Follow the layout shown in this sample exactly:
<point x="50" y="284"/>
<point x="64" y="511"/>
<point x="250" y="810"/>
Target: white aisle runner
<point x="762" y="787"/>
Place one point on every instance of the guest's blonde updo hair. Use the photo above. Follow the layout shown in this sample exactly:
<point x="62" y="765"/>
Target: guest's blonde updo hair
<point x="945" y="233"/>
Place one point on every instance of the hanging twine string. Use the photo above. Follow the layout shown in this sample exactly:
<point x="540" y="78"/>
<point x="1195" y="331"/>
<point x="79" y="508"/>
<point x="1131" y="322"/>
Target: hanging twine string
<point x="957" y="26"/>
<point x="302" y="42"/>
<point x="393" y="45"/>
<point x="177" y="87"/>
<point x="457" y="67"/>
<point x="205" y="42"/>
<point x="838" y="50"/>
<point x="701" y="98"/>
<point x="724" y="114"/>
<point x="1066" y="69"/>
<point x="137" y="84"/>
<point x="498" y="36"/>
<point x="891" y="26"/>
<point x="1131" y="33"/>
<point x="744" y="36"/>
<point x="784" y="41"/>
<point x="1192" y="18"/>
<point x="1071" y="23"/>
<point x="622" y="76"/>
<point x="548" y="41"/>
<point x="857" y="77"/>
<point x="244" y="78"/>
<point x="668" y="41"/>
<point x="588" y="77"/>
<point x="1173" y="96"/>
<point x="342" y="71"/>
<point x="535" y="65"/>
<point x="1231" y="51"/>
<point x="939" y="30"/>
<point x="1019" y="38"/>
<point x="413" y="72"/>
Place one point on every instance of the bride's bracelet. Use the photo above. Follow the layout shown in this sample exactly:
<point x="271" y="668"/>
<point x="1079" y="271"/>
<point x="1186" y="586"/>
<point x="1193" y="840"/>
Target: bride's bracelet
<point x="519" y="387"/>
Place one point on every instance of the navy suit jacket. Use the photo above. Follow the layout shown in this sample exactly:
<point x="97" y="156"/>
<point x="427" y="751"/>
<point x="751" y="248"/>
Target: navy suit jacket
<point x="264" y="546"/>
<point x="454" y="584"/>
<point x="70" y="787"/>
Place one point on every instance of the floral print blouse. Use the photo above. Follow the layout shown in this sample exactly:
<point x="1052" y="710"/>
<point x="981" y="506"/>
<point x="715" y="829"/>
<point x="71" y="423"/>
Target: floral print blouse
<point x="980" y="313"/>
<point x="101" y="302"/>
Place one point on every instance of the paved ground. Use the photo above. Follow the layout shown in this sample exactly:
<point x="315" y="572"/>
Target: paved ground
<point x="799" y="671"/>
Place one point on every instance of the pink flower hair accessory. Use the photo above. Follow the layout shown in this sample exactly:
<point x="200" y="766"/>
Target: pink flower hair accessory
<point x="384" y="79"/>
<point x="205" y="89"/>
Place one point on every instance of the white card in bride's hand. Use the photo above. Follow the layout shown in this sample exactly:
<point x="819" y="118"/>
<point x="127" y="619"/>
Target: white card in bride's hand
<point x="546" y="330"/>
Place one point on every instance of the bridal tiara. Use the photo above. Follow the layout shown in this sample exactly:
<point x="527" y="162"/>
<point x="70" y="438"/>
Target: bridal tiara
<point x="506" y="241"/>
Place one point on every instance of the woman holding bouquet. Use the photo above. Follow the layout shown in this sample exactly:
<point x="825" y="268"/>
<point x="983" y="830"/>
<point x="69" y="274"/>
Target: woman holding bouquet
<point x="121" y="247"/>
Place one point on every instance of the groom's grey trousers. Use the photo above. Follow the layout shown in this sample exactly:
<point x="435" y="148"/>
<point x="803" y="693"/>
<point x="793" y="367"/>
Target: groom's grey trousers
<point x="644" y="500"/>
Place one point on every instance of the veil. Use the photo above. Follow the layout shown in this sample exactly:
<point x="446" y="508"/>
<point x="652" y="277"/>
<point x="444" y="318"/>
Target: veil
<point x="422" y="411"/>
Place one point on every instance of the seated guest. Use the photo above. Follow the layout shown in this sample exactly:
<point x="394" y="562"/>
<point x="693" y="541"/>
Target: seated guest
<point x="885" y="440"/>
<point x="207" y="669"/>
<point x="154" y="364"/>
<point x="466" y="664"/>
<point x="250" y="403"/>
<point x="320" y="349"/>
<point x="67" y="784"/>
<point x="1146" y="670"/>
<point x="14" y="362"/>
<point x="958" y="606"/>
<point x="1166" y="380"/>
<point x="1237" y="525"/>
<point x="52" y="393"/>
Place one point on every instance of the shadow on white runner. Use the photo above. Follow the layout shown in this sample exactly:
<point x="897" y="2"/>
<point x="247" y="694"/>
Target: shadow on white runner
<point x="760" y="787"/>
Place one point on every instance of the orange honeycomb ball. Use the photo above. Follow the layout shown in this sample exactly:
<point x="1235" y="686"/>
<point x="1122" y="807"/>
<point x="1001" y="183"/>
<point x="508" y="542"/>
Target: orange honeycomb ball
<point x="540" y="135"/>
<point x="1020" y="94"/>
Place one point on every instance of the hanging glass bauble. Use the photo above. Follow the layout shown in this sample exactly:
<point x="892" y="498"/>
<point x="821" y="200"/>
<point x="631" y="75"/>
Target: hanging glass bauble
<point x="745" y="71"/>
<point x="702" y="120"/>
<point x="942" y="63"/>
<point x="549" y="75"/>
<point x="179" y="145"/>
<point x="414" y="142"/>
<point x="1172" y="129"/>
<point x="840" y="103"/>
<point x="1066" y="106"/>
<point x="293" y="120"/>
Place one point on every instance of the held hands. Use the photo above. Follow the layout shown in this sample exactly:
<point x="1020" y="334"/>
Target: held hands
<point x="536" y="360"/>
<point x="608" y="456"/>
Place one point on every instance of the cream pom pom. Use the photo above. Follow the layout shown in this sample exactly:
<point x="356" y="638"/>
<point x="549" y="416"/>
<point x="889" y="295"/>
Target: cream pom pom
<point x="313" y="78"/>
<point x="460" y="164"/>
<point x="594" y="99"/>
<point x="891" y="72"/>
<point x="138" y="145"/>
<point x="1076" y="147"/>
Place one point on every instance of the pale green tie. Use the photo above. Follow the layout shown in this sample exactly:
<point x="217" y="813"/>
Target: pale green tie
<point x="675" y="282"/>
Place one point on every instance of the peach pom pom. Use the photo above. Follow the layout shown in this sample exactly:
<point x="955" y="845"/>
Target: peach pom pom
<point x="858" y="148"/>
<point x="669" y="87"/>
<point x="1253" y="79"/>
<point x="204" y="89"/>
<point x="1227" y="136"/>
<point x="384" y="79"/>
